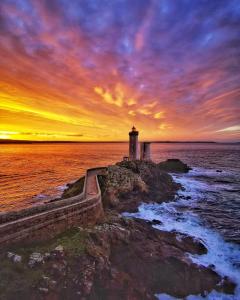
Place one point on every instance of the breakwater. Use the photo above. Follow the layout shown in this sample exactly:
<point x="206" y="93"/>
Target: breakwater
<point x="47" y="220"/>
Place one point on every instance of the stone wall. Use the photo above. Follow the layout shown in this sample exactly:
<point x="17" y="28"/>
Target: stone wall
<point x="79" y="210"/>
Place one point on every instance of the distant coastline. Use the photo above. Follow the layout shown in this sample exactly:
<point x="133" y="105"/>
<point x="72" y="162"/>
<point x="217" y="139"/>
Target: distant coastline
<point x="5" y="141"/>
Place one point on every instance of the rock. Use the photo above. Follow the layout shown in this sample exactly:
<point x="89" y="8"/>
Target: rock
<point x="129" y="183"/>
<point x="212" y="266"/>
<point x="126" y="258"/>
<point x="73" y="189"/>
<point x="59" y="248"/>
<point x="119" y="181"/>
<point x="36" y="258"/>
<point x="14" y="257"/>
<point x="45" y="278"/>
<point x="43" y="290"/>
<point x="146" y="261"/>
<point x="174" y="166"/>
<point x="52" y="284"/>
<point x="155" y="222"/>
<point x="10" y="254"/>
<point x="226" y="286"/>
<point x="129" y="259"/>
<point x="17" y="258"/>
<point x="46" y="256"/>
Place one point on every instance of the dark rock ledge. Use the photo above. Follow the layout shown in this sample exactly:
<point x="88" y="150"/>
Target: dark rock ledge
<point x="119" y="258"/>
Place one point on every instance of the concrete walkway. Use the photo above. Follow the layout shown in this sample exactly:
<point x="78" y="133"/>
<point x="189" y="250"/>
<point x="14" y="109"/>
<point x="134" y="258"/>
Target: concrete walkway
<point x="91" y="184"/>
<point x="83" y="209"/>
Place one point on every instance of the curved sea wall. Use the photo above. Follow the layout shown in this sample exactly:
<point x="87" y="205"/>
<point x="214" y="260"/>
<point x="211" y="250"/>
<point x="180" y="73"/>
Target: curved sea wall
<point x="47" y="220"/>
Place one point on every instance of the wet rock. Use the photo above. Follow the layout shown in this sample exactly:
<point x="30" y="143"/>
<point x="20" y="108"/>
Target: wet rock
<point x="236" y="264"/>
<point x="148" y="261"/>
<point x="174" y="166"/>
<point x="155" y="222"/>
<point x="212" y="266"/>
<point x="226" y="286"/>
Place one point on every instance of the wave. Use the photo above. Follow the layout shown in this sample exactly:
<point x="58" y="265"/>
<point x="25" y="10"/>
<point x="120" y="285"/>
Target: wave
<point x="181" y="216"/>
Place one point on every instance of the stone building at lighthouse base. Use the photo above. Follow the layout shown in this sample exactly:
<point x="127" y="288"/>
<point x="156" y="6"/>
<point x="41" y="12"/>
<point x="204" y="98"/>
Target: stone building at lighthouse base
<point x="145" y="151"/>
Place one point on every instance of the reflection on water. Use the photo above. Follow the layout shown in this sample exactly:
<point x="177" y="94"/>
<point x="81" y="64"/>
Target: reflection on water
<point x="32" y="173"/>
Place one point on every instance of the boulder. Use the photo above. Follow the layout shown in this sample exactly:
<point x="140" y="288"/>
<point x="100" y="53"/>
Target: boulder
<point x="119" y="181"/>
<point x="59" y="248"/>
<point x="174" y="166"/>
<point x="159" y="185"/>
<point x="36" y="258"/>
<point x="155" y="222"/>
<point x="14" y="257"/>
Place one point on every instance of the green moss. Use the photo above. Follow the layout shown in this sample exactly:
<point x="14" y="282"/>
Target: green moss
<point x="102" y="182"/>
<point x="73" y="241"/>
<point x="74" y="189"/>
<point x="17" y="279"/>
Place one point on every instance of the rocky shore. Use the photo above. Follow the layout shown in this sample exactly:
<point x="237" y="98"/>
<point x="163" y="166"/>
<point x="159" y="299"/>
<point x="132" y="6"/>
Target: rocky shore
<point x="119" y="258"/>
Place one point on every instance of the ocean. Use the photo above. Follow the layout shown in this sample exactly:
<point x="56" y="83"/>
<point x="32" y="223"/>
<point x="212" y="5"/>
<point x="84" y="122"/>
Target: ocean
<point x="208" y="208"/>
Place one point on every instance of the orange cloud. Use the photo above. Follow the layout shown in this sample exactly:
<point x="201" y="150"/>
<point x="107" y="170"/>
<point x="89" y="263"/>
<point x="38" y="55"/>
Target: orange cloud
<point x="87" y="81"/>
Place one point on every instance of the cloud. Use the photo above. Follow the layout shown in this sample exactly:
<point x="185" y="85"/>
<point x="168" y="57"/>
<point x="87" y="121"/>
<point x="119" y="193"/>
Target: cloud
<point x="93" y="66"/>
<point x="232" y="128"/>
<point x="159" y="115"/>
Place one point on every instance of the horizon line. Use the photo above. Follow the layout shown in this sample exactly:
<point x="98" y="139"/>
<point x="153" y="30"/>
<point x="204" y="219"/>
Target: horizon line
<point x="10" y="141"/>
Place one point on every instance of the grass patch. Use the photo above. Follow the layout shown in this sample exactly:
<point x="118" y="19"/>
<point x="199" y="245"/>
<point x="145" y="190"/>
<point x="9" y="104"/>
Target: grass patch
<point x="17" y="279"/>
<point x="73" y="241"/>
<point x="74" y="189"/>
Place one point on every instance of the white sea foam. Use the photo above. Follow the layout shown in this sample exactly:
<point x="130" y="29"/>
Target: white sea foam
<point x="61" y="188"/>
<point x="40" y="196"/>
<point x="175" y="216"/>
<point x="166" y="297"/>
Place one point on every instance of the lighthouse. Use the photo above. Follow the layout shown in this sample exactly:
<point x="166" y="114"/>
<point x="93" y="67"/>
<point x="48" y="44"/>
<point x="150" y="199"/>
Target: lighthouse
<point x="133" y="144"/>
<point x="145" y="151"/>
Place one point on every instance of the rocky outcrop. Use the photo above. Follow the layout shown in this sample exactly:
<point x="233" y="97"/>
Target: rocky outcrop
<point x="129" y="183"/>
<point x="120" y="258"/>
<point x="118" y="182"/>
<point x="174" y="166"/>
<point x="74" y="189"/>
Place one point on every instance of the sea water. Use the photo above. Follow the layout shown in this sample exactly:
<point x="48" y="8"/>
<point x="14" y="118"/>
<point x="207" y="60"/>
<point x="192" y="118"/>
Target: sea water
<point x="208" y="208"/>
<point x="30" y="174"/>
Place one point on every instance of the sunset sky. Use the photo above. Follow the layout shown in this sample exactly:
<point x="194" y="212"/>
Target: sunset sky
<point x="87" y="70"/>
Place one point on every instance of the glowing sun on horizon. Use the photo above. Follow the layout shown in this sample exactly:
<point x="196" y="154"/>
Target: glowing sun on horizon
<point x="4" y="136"/>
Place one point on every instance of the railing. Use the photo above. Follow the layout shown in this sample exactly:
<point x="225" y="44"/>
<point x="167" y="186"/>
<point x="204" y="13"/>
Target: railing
<point x="15" y="215"/>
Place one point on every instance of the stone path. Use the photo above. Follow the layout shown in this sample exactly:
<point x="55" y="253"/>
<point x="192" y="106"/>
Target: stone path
<point x="91" y="184"/>
<point x="88" y="204"/>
